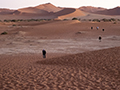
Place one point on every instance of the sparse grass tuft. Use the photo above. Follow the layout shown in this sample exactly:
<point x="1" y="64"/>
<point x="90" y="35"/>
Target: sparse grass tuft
<point x="115" y="23"/>
<point x="13" y="25"/>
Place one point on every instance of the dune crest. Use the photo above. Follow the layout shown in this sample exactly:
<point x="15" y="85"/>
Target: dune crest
<point x="33" y="10"/>
<point x="49" y="7"/>
<point x="91" y="9"/>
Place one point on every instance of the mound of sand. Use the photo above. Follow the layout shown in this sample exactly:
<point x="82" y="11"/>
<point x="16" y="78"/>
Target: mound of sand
<point x="6" y="11"/>
<point x="49" y="7"/>
<point x="69" y="13"/>
<point x="33" y="10"/>
<point x="114" y="11"/>
<point x="91" y="9"/>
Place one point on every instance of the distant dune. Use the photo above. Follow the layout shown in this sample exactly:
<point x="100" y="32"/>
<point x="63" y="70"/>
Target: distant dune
<point x="91" y="9"/>
<point x="70" y="13"/>
<point x="114" y="11"/>
<point x="33" y="10"/>
<point x="49" y="7"/>
<point x="50" y="11"/>
<point x="6" y="11"/>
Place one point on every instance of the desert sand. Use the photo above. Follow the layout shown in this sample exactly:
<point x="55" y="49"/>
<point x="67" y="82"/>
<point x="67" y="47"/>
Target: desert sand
<point x="76" y="60"/>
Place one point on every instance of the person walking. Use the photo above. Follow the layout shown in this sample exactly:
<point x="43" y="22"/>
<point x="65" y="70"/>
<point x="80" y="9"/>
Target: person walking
<point x="97" y="28"/>
<point x="91" y="27"/>
<point x="100" y="38"/>
<point x="44" y="53"/>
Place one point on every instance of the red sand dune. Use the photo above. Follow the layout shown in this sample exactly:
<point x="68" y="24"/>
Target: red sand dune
<point x="49" y="11"/>
<point x="16" y="12"/>
<point x="49" y="7"/>
<point x="91" y="9"/>
<point x="114" y="11"/>
<point x="33" y="10"/>
<point x="6" y="11"/>
<point x="69" y="12"/>
<point x="64" y="13"/>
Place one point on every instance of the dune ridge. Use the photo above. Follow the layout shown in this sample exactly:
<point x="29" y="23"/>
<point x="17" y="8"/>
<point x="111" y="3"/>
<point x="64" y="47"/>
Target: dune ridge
<point x="33" y="10"/>
<point x="91" y="9"/>
<point x="49" y="7"/>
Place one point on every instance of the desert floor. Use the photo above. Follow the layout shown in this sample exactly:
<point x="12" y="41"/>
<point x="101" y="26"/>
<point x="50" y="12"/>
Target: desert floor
<point x="76" y="59"/>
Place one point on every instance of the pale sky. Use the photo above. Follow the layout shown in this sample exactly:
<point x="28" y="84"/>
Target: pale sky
<point x="15" y="4"/>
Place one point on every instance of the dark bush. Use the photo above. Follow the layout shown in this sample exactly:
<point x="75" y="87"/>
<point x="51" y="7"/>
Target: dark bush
<point x="74" y="18"/>
<point x="65" y="19"/>
<point x="4" y="33"/>
<point x="96" y="20"/>
<point x="105" y="20"/>
<point x="115" y="23"/>
<point x="112" y="19"/>
<point x="13" y="25"/>
<point x="13" y="20"/>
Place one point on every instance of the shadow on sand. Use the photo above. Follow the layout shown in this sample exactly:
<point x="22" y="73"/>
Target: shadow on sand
<point x="105" y="61"/>
<point x="69" y="60"/>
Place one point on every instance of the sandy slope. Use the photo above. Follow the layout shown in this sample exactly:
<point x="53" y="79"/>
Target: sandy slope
<point x="33" y="10"/>
<point x="76" y="13"/>
<point x="92" y="70"/>
<point x="91" y="9"/>
<point x="22" y="65"/>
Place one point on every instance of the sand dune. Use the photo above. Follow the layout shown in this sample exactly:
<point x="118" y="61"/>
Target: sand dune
<point x="69" y="13"/>
<point x="114" y="11"/>
<point x="49" y="7"/>
<point x="91" y="9"/>
<point x="33" y="10"/>
<point x="49" y="11"/>
<point x="6" y="11"/>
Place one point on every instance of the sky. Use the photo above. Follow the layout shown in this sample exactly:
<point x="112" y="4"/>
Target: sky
<point x="16" y="4"/>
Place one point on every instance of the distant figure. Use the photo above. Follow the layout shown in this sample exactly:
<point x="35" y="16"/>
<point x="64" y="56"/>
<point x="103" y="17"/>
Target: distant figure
<point x="97" y="28"/>
<point x="91" y="27"/>
<point x="44" y="53"/>
<point x="102" y="29"/>
<point x="100" y="38"/>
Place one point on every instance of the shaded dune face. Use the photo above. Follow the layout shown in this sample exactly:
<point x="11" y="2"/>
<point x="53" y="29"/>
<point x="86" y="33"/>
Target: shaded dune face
<point x="33" y="10"/>
<point x="6" y="11"/>
<point x="65" y="11"/>
<point x="69" y="13"/>
<point x="16" y="12"/>
<point x="75" y="13"/>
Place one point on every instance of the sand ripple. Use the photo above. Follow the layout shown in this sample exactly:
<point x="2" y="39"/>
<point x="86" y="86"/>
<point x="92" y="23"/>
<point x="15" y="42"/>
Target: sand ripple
<point x="97" y="70"/>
